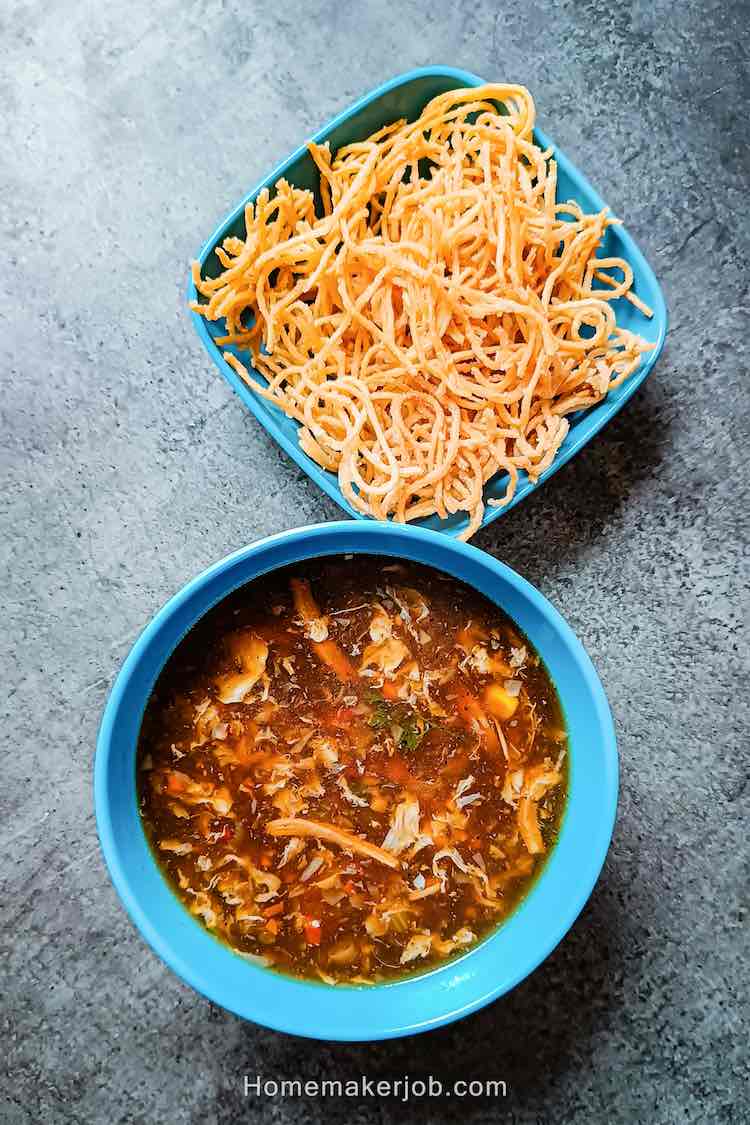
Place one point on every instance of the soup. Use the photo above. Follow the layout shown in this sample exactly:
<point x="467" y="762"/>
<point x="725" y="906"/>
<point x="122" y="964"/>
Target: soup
<point x="352" y="769"/>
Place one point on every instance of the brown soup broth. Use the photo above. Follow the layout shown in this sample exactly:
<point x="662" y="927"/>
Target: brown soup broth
<point x="352" y="768"/>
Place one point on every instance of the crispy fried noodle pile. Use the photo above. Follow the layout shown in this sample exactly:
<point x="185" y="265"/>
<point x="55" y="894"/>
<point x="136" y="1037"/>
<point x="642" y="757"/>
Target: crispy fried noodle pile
<point x="439" y="321"/>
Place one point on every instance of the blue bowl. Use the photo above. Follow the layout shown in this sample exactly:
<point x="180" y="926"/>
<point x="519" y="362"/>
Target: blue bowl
<point x="421" y="1002"/>
<point x="406" y="96"/>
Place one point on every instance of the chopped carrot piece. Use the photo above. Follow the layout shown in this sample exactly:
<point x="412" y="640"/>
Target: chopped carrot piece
<point x="312" y="931"/>
<point x="272" y="911"/>
<point x="272" y="926"/>
<point x="304" y="602"/>
<point x="177" y="782"/>
<point x="499" y="702"/>
<point x="334" y="656"/>
<point x="328" y="652"/>
<point x="390" y="689"/>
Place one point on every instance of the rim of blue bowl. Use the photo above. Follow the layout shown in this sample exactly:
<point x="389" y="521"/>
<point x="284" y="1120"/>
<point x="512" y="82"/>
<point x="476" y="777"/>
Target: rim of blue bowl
<point x="585" y="425"/>
<point x="412" y="1004"/>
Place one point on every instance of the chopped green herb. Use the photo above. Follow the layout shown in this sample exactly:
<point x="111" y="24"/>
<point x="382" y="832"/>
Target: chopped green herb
<point x="381" y="716"/>
<point x="415" y="727"/>
<point x="412" y="726"/>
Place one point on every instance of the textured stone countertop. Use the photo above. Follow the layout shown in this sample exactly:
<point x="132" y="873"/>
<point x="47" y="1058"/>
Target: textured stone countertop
<point x="128" y="465"/>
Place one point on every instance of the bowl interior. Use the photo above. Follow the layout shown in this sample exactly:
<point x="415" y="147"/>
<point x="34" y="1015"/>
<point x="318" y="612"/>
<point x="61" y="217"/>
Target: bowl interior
<point x="412" y="1004"/>
<point x="406" y="96"/>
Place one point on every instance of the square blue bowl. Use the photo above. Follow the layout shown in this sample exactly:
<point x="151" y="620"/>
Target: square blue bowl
<point x="406" y="96"/>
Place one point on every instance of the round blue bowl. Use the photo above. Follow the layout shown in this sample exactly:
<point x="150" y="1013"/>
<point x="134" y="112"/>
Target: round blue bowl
<point x="416" y="1003"/>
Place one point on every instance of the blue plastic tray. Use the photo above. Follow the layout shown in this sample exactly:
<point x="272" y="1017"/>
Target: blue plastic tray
<point x="406" y="96"/>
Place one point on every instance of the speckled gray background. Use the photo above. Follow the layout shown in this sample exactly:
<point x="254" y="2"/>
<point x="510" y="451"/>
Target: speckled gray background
<point x="127" y="131"/>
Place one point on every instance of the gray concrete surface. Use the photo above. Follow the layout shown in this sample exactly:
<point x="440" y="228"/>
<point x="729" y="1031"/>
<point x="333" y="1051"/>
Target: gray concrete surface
<point x="128" y="130"/>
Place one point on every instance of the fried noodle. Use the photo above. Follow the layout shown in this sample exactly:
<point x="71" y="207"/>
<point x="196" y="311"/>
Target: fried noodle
<point x="439" y="322"/>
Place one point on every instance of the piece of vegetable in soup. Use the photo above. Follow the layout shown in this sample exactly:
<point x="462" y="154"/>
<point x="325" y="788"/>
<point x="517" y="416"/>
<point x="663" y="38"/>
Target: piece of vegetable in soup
<point x="352" y="769"/>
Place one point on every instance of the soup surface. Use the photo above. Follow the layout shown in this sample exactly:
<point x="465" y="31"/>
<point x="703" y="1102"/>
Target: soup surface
<point x="352" y="768"/>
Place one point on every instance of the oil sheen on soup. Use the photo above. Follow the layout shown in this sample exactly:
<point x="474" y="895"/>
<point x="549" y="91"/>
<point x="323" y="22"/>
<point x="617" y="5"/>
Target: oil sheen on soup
<point x="352" y="769"/>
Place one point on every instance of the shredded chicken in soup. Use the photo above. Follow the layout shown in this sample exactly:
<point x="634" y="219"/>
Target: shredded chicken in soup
<point x="352" y="769"/>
